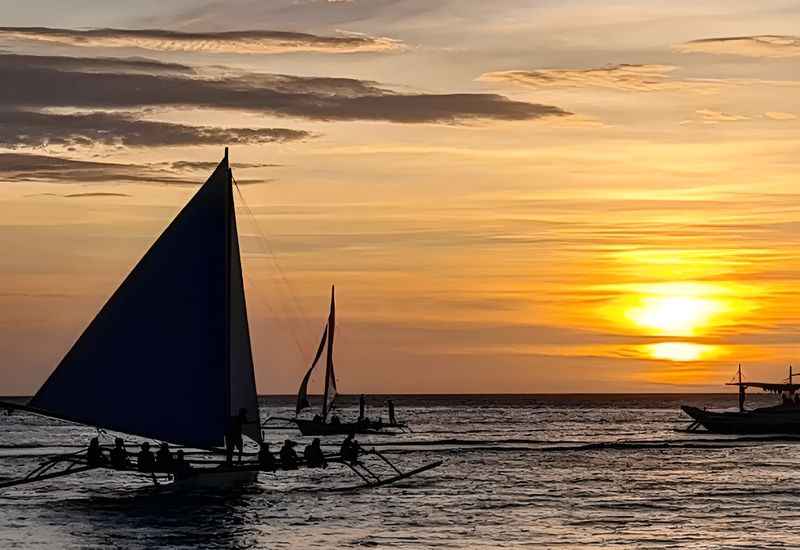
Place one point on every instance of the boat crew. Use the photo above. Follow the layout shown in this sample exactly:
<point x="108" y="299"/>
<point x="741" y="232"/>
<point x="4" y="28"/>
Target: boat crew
<point x="314" y="456"/>
<point x="288" y="456"/>
<point x="362" y="405"/>
<point x="392" y="419"/>
<point x="144" y="459"/>
<point x="94" y="454"/>
<point x="266" y="460"/>
<point x="119" y="455"/>
<point x="349" y="449"/>
<point x="164" y="460"/>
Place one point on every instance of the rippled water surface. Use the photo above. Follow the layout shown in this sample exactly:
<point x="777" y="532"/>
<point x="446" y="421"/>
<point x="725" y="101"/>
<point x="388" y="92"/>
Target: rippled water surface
<point x="519" y="471"/>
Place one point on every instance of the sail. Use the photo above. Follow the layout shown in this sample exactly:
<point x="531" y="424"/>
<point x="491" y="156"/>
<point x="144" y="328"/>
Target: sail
<point x="157" y="358"/>
<point x="330" y="377"/>
<point x="302" y="394"/>
<point x="242" y="381"/>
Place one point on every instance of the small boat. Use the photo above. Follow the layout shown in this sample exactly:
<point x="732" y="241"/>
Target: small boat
<point x="168" y="357"/>
<point x="783" y="418"/>
<point x="321" y="425"/>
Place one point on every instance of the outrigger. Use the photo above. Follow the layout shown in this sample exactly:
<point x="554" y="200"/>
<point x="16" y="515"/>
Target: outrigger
<point x="168" y="358"/>
<point x="783" y="418"/>
<point x="320" y="424"/>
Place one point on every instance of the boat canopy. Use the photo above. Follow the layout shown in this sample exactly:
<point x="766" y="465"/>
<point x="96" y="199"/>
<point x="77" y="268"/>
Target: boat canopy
<point x="168" y="356"/>
<point x="766" y="386"/>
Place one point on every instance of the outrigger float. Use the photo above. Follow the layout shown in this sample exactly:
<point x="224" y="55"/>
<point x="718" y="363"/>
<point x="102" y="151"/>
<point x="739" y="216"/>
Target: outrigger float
<point x="321" y="425"/>
<point x="783" y="418"/>
<point x="168" y="358"/>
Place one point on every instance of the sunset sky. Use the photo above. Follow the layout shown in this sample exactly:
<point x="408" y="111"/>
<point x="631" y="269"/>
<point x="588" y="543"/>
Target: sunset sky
<point x="514" y="196"/>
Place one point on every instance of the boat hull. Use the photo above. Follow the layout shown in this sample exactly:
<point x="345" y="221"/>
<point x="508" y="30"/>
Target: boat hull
<point x="759" y="421"/>
<point x="214" y="480"/>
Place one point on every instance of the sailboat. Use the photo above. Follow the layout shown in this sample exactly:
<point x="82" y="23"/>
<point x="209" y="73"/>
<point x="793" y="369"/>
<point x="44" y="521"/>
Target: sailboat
<point x="321" y="424"/>
<point x="168" y="357"/>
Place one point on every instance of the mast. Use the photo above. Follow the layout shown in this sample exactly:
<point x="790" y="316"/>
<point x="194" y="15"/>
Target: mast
<point x="741" y="390"/>
<point x="330" y="377"/>
<point x="228" y="205"/>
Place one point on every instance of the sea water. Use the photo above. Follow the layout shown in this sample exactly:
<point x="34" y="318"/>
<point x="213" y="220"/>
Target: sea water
<point x="556" y="471"/>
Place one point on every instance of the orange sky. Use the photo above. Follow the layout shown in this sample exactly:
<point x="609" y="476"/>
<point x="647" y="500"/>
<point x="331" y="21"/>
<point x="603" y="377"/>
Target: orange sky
<point x="537" y="197"/>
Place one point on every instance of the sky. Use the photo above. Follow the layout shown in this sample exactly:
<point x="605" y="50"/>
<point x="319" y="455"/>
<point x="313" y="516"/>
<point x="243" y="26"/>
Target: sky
<point x="510" y="197"/>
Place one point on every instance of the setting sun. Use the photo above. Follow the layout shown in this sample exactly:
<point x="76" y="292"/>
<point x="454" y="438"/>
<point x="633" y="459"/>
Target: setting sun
<point x="674" y="315"/>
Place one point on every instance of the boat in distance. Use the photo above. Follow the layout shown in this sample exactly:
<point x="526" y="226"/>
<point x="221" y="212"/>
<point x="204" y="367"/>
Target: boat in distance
<point x="782" y="418"/>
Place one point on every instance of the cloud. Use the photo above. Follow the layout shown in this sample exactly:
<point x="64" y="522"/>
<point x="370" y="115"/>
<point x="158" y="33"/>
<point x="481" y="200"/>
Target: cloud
<point x="203" y="166"/>
<point x="315" y="98"/>
<point x="777" y="115"/>
<point x="635" y="78"/>
<point x="765" y="45"/>
<point x="712" y="117"/>
<point x="21" y="167"/>
<point x="97" y="194"/>
<point x="38" y="129"/>
<point x="241" y="42"/>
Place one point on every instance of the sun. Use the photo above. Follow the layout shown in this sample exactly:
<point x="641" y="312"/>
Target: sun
<point x="674" y="315"/>
<point x="680" y="351"/>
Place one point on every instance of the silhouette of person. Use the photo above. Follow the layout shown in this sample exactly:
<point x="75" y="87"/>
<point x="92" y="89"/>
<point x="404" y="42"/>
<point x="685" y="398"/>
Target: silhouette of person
<point x="314" y="456"/>
<point x="349" y="449"/>
<point x="182" y="469"/>
<point x="266" y="460"/>
<point x="335" y="420"/>
<point x="234" y="436"/>
<point x="164" y="460"/>
<point x="392" y="419"/>
<point x="94" y="454"/>
<point x="144" y="459"/>
<point x="119" y="455"/>
<point x="317" y="418"/>
<point x="288" y="456"/>
<point x="362" y="405"/>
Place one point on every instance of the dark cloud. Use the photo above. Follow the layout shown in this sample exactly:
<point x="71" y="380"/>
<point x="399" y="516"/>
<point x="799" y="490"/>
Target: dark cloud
<point x="325" y="99"/>
<point x="20" y="167"/>
<point x="92" y="64"/>
<point x="245" y="42"/>
<point x="34" y="129"/>
<point x="204" y="166"/>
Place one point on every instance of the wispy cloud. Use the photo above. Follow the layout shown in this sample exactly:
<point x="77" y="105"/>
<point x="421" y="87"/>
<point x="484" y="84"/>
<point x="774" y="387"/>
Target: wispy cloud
<point x="315" y="98"/>
<point x="765" y="45"/>
<point x="36" y="129"/>
<point x="712" y="116"/>
<point x="778" y="115"/>
<point x="630" y="78"/>
<point x="241" y="42"/>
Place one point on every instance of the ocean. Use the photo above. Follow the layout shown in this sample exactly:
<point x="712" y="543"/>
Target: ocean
<point x="534" y="471"/>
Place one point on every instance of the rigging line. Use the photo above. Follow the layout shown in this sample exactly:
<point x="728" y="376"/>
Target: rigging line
<point x="298" y="310"/>
<point x="268" y="252"/>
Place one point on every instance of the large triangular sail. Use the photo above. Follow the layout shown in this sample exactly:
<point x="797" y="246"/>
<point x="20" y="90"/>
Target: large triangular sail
<point x="168" y="356"/>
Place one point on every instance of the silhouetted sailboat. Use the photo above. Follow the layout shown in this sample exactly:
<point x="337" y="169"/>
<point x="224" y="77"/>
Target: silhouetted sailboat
<point x="168" y="357"/>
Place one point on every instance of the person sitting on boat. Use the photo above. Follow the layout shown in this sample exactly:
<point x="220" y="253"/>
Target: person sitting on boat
<point x="234" y="436"/>
<point x="144" y="459"/>
<point x="164" y="460"/>
<point x="288" y="456"/>
<point x="94" y="454"/>
<point x="392" y="419"/>
<point x="119" y="455"/>
<point x="266" y="460"/>
<point x="335" y="421"/>
<point x="314" y="456"/>
<point x="181" y="469"/>
<point x="317" y="419"/>
<point x="349" y="449"/>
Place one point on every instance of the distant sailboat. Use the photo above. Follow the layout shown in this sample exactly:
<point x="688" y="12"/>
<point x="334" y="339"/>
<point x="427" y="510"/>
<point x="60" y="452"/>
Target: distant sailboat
<point x="321" y="425"/>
